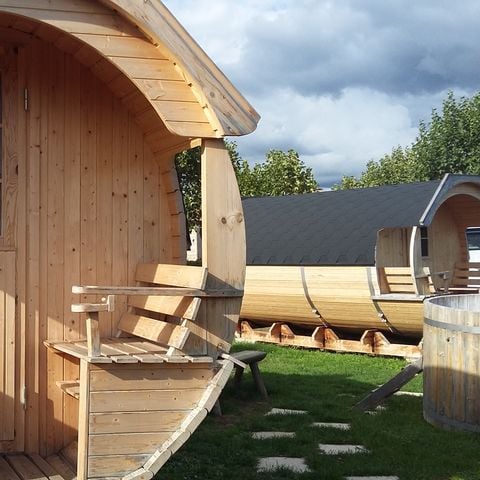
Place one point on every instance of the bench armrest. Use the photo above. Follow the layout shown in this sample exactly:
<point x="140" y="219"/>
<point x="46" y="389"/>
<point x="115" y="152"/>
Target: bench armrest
<point x="161" y="291"/>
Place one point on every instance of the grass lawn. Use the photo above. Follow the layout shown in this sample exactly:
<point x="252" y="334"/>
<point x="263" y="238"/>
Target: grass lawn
<point x="327" y="385"/>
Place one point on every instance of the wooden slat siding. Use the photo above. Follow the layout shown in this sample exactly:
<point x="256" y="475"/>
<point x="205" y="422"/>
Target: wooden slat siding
<point x="7" y="345"/>
<point x="157" y="331"/>
<point x="130" y="401"/>
<point x="150" y="378"/>
<point x="104" y="198"/>
<point x="397" y="271"/>
<point x="114" y="465"/>
<point x="6" y="362"/>
<point x="126" y="443"/>
<point x="175" y="204"/>
<point x="173" y="275"/>
<point x="72" y="233"/>
<point x="120" y="205"/>
<point x="184" y="307"/>
<point x="151" y="199"/>
<point x="34" y="136"/>
<point x="135" y="204"/>
<point x="10" y="177"/>
<point x="136" y="422"/>
<point x="21" y="283"/>
<point x="55" y="239"/>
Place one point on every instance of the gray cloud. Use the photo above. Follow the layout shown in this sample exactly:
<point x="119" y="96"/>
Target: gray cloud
<point x="343" y="81"/>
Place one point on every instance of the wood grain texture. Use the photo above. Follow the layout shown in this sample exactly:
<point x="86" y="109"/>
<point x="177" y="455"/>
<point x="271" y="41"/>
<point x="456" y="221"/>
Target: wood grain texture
<point x="232" y="114"/>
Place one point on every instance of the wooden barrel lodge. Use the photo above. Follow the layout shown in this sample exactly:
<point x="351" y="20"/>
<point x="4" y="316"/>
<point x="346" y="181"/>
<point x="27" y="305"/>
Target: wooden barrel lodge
<point x="350" y="269"/>
<point x="112" y="349"/>
<point x="451" y="362"/>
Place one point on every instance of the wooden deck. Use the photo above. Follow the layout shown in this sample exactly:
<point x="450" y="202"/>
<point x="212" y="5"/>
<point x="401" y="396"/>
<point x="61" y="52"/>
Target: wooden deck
<point x="33" y="467"/>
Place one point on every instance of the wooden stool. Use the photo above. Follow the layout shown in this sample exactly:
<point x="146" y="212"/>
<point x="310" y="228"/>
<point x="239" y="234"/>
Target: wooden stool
<point x="250" y="357"/>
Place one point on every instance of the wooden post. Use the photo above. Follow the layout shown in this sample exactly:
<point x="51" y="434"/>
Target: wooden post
<point x="223" y="248"/>
<point x="93" y="334"/>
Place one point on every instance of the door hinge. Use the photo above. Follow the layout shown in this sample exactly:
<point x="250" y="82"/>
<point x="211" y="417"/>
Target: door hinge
<point x="25" y="99"/>
<point x="23" y="397"/>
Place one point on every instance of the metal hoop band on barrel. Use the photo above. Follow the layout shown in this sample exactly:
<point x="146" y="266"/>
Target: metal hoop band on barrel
<point x="452" y="326"/>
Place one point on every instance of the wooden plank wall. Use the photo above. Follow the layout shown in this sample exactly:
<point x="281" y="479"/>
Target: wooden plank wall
<point x="7" y="344"/>
<point x="95" y="205"/>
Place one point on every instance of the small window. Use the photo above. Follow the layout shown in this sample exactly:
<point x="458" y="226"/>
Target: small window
<point x="473" y="238"/>
<point x="424" y="241"/>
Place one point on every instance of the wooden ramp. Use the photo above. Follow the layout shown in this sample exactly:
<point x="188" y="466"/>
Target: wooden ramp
<point x="34" y="467"/>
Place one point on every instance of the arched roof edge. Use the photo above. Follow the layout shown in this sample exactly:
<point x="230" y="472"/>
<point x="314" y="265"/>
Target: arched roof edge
<point x="233" y="113"/>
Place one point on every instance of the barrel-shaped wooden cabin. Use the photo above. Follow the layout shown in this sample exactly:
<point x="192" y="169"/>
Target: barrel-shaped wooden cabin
<point x="356" y="263"/>
<point x="111" y="350"/>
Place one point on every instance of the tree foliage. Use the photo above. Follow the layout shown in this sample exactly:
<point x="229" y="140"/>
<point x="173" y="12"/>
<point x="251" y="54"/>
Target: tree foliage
<point x="449" y="143"/>
<point x="282" y="173"/>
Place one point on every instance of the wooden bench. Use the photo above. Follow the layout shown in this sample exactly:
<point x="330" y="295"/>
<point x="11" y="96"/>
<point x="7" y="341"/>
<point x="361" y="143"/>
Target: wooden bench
<point x="399" y="282"/>
<point x="466" y="278"/>
<point x="156" y="325"/>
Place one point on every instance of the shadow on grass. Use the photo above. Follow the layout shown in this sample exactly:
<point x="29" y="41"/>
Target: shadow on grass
<point x="327" y="385"/>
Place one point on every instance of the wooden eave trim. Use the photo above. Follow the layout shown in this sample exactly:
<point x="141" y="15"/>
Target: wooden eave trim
<point x="183" y="122"/>
<point x="229" y="112"/>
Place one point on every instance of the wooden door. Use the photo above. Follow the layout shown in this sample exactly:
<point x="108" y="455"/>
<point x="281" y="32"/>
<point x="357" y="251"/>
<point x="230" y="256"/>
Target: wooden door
<point x="11" y="411"/>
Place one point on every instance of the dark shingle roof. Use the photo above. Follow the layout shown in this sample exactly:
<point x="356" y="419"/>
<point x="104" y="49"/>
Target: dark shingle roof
<point x="330" y="228"/>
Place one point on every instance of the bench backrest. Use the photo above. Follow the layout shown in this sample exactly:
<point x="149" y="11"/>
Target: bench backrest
<point x="164" y="319"/>
<point x="466" y="275"/>
<point x="397" y="280"/>
<point x="400" y="280"/>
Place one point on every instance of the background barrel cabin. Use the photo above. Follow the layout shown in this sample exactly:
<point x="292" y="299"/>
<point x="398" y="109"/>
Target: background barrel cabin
<point x="97" y="97"/>
<point x="327" y="268"/>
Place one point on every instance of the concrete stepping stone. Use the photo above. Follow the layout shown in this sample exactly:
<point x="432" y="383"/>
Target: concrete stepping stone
<point x="285" y="411"/>
<point x="330" y="449"/>
<point x="338" y="426"/>
<point x="373" y="478"/>
<point x="409" y="394"/>
<point x="268" y="435"/>
<point x="269" y="464"/>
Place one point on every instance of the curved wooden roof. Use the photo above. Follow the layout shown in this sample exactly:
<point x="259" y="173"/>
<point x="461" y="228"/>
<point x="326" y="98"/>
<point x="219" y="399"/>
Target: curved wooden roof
<point x="145" y="42"/>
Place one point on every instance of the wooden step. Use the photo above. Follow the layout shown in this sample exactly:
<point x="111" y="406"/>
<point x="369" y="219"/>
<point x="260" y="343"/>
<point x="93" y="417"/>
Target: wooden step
<point x="70" y="387"/>
<point x="27" y="467"/>
<point x="61" y="466"/>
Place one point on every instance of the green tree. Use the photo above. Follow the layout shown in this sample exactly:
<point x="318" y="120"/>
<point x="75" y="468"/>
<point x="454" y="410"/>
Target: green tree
<point x="449" y="143"/>
<point x="282" y="173"/>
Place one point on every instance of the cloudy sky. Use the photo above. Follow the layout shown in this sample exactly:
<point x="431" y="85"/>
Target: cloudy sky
<point x="340" y="81"/>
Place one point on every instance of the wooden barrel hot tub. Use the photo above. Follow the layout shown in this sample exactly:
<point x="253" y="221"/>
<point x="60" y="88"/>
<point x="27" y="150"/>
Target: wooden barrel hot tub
<point x="451" y="355"/>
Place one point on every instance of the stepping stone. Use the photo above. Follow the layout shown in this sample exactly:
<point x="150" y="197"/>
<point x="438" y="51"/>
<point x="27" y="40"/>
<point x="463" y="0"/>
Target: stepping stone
<point x="267" y="435"/>
<point x="341" y="449"/>
<point x="338" y="426"/>
<point x="285" y="411"/>
<point x="372" y="478"/>
<point x="269" y="464"/>
<point x="409" y="394"/>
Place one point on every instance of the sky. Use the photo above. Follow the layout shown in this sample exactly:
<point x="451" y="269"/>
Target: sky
<point x="341" y="82"/>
